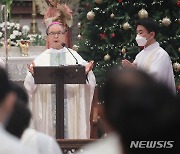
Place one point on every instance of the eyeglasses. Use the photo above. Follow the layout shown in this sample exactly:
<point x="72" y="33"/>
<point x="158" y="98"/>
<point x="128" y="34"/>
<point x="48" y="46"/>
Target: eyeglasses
<point x="56" y="33"/>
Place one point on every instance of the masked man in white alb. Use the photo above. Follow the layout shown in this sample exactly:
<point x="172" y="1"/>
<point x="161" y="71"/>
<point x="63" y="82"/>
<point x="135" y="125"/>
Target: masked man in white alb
<point x="78" y="97"/>
<point x="152" y="59"/>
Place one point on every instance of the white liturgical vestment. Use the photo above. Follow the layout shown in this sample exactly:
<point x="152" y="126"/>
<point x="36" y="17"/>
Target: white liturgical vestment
<point x="39" y="142"/>
<point x="111" y="144"/>
<point x="155" y="61"/>
<point x="78" y="98"/>
<point x="10" y="144"/>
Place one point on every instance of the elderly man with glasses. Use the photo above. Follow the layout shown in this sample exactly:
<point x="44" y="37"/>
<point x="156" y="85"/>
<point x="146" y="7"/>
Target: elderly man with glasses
<point x="78" y="97"/>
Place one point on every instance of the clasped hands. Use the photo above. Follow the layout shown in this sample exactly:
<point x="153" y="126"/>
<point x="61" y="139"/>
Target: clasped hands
<point x="127" y="63"/>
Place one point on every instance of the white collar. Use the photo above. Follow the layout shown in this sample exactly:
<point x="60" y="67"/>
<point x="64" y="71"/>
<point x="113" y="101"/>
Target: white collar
<point x="152" y="47"/>
<point x="58" y="50"/>
<point x="54" y="50"/>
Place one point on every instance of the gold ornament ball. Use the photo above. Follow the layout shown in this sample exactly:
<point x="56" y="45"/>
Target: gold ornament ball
<point x="75" y="47"/>
<point x="107" y="57"/>
<point x="179" y="49"/>
<point x="79" y="36"/>
<point x="123" y="50"/>
<point x="126" y="26"/>
<point x="142" y="14"/>
<point x="98" y="1"/>
<point x="112" y="15"/>
<point x="166" y="21"/>
<point x="90" y="15"/>
<point x="176" y="67"/>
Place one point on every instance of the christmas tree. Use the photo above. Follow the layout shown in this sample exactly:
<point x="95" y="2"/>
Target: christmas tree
<point x="107" y="31"/>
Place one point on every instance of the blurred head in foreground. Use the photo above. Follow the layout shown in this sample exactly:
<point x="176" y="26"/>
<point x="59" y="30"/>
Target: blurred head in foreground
<point x="21" y="115"/>
<point x="7" y="97"/>
<point x="140" y="109"/>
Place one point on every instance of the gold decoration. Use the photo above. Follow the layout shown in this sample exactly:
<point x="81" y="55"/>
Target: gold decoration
<point x="142" y="14"/>
<point x="176" y="66"/>
<point x="90" y="15"/>
<point x="123" y="50"/>
<point x="179" y="49"/>
<point x="166" y="21"/>
<point x="107" y="57"/>
<point x="98" y="1"/>
<point x="126" y="26"/>
<point x="34" y="25"/>
<point x="24" y="45"/>
<point x="75" y="47"/>
<point x="112" y="15"/>
<point x="8" y="44"/>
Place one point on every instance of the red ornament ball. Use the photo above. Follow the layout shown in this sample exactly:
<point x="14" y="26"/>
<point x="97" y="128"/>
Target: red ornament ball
<point x="102" y="36"/>
<point x="178" y="88"/>
<point x="113" y="35"/>
<point x="87" y="5"/>
<point x="120" y="1"/>
<point x="178" y="3"/>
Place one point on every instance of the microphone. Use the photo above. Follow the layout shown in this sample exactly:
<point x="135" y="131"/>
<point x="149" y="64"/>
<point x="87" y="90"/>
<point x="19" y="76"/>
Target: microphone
<point x="64" y="45"/>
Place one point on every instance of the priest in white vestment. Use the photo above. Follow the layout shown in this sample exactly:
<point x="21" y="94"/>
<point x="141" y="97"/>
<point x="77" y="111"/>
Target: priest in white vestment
<point x="78" y="97"/>
<point x="152" y="59"/>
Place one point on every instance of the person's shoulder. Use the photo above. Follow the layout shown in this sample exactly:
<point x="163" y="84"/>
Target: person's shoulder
<point x="162" y="53"/>
<point x="45" y="142"/>
<point x="72" y="51"/>
<point x="38" y="135"/>
<point x="102" y="146"/>
<point x="10" y="144"/>
<point x="139" y="54"/>
<point x="44" y="137"/>
<point x="48" y="143"/>
<point x="8" y="137"/>
<point x="46" y="52"/>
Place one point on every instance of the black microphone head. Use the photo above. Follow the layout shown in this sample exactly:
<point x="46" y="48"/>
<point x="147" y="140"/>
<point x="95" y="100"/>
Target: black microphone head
<point x="63" y="44"/>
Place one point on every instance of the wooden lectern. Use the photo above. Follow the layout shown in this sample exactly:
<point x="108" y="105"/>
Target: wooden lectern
<point x="60" y="75"/>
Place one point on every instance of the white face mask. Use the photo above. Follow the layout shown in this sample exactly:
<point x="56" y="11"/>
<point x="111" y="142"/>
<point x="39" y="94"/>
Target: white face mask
<point x="141" y="41"/>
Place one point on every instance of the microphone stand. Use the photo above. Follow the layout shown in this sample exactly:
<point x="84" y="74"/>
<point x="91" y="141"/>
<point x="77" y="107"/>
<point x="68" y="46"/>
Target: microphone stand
<point x="64" y="45"/>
